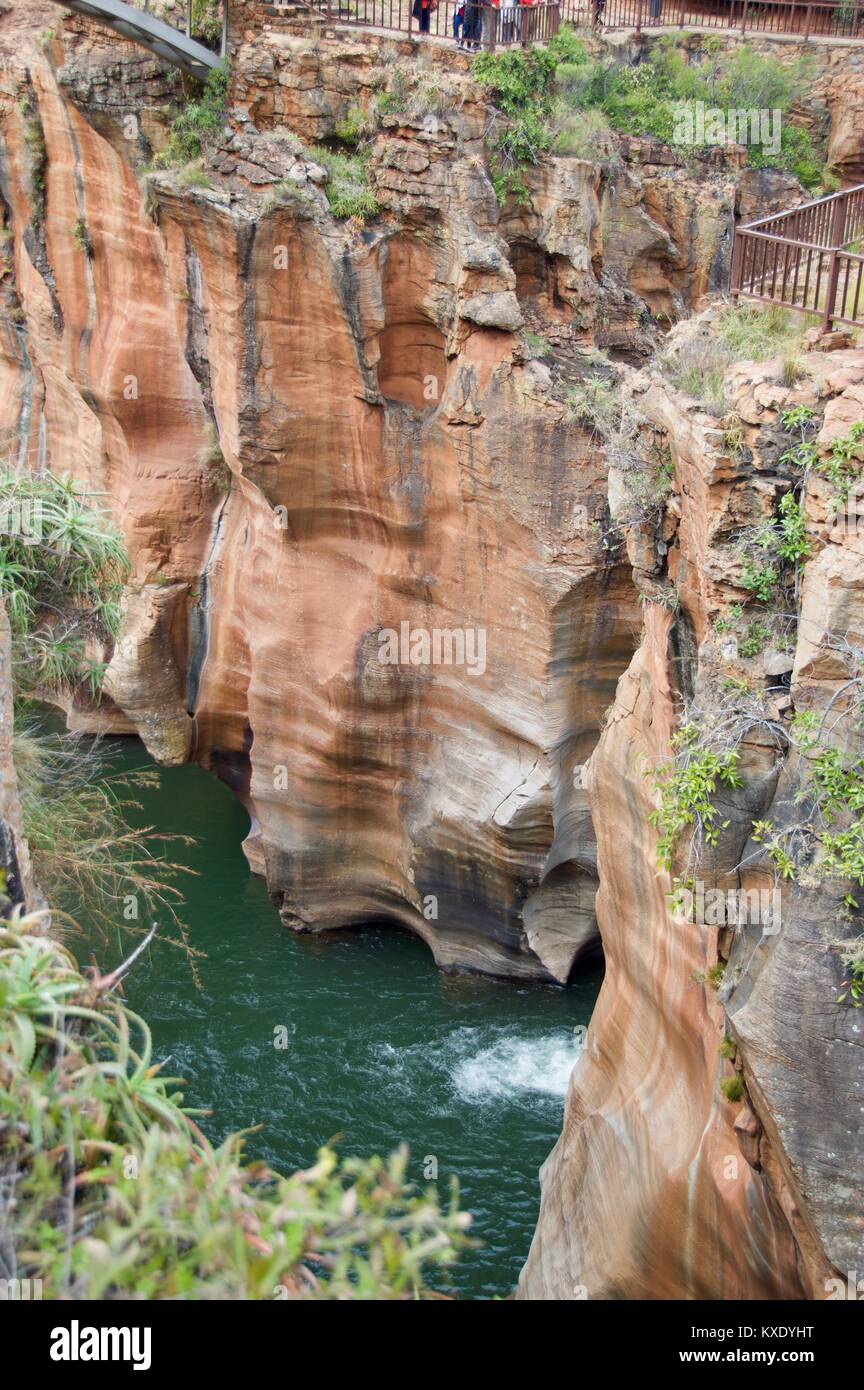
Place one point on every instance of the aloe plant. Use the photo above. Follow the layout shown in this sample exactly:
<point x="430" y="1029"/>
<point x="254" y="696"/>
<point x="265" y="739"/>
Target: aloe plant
<point x="62" y="567"/>
<point x="118" y="1194"/>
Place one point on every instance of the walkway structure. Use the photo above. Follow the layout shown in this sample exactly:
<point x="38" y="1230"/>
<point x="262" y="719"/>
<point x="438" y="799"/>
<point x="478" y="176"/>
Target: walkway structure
<point x="484" y="24"/>
<point x="808" y="259"/>
<point x="137" y="24"/>
<point x="488" y="25"/>
<point x="802" y="18"/>
<point x="522" y="22"/>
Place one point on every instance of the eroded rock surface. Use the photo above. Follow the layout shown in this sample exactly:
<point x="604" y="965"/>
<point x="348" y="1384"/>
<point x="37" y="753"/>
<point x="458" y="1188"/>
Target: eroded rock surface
<point x="321" y="437"/>
<point x="661" y="1187"/>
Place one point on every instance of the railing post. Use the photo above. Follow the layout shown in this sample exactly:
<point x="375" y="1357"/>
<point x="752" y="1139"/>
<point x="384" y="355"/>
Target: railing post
<point x="838" y="218"/>
<point x="808" y="21"/>
<point x="639" y="17"/>
<point x="735" y="274"/>
<point x="223" y="41"/>
<point x="488" y="27"/>
<point x="744" y="17"/>
<point x="681" y="13"/>
<point x="188" y="19"/>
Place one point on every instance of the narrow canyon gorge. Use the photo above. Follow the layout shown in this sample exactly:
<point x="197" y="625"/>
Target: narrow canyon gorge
<point x="314" y="430"/>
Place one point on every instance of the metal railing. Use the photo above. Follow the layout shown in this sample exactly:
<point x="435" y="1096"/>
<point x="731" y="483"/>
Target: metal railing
<point x="195" y="49"/>
<point x="476" y="23"/>
<point x="827" y="18"/>
<point x="804" y="259"/>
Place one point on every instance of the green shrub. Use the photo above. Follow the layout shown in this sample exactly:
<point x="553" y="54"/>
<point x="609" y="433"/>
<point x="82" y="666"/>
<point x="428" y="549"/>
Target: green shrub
<point x="118" y="1195"/>
<point x="686" y="790"/>
<point x="634" y="106"/>
<point x="854" y="988"/>
<point x="354" y="125"/>
<point x="798" y="417"/>
<point x="753" y="642"/>
<point x="536" y="344"/>
<point x="198" y="123"/>
<point x="81" y="237"/>
<point x="746" y="79"/>
<point x="842" y="467"/>
<point x="62" y="567"/>
<point x="522" y="85"/>
<point x="748" y="332"/>
<point x="595" y="402"/>
<point x="207" y="19"/>
<point x="585" y="135"/>
<point x="759" y="580"/>
<point x="833" y="821"/>
<point x="797" y="156"/>
<point x="784" y="543"/>
<point x="395" y="99"/>
<point x="347" y="188"/>
<point x="732" y="1087"/>
<point x="519" y="77"/>
<point x="642" y="98"/>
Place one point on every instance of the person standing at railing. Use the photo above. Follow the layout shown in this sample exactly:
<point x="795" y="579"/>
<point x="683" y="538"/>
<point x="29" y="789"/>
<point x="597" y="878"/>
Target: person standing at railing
<point x="422" y="10"/>
<point x="459" y="22"/>
<point x="471" y="25"/>
<point x="599" y="7"/>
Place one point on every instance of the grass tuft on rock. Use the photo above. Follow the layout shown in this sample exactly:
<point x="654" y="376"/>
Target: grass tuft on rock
<point x="347" y="188"/>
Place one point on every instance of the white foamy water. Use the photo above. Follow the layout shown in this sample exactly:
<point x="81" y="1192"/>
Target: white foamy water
<point x="516" y="1066"/>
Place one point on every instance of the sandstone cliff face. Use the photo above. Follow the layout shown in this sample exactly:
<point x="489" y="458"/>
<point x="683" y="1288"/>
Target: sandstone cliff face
<point x="646" y="1194"/>
<point x="315" y="432"/>
<point x="659" y="1187"/>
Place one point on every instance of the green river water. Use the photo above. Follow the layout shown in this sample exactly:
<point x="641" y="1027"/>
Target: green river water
<point x="382" y="1048"/>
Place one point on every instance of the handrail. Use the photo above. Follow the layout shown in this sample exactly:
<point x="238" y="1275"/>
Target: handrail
<point x="479" y="23"/>
<point x="805" y="275"/>
<point x="804" y="18"/>
<point x="803" y="207"/>
<point x="784" y="241"/>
